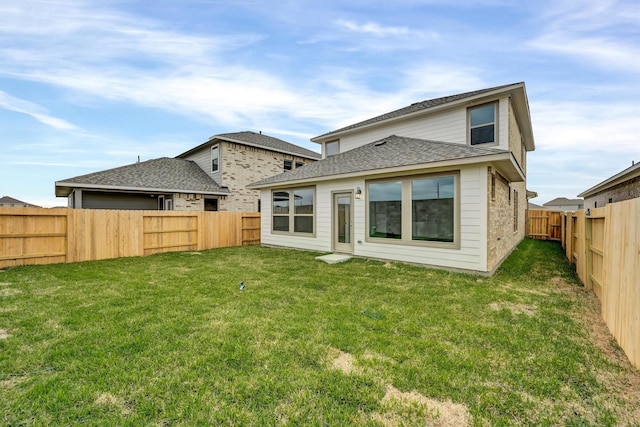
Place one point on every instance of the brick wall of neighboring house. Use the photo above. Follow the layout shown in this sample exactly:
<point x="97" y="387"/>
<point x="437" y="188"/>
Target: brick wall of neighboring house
<point x="629" y="189"/>
<point x="515" y="141"/>
<point x="501" y="236"/>
<point x="243" y="165"/>
<point x="188" y="202"/>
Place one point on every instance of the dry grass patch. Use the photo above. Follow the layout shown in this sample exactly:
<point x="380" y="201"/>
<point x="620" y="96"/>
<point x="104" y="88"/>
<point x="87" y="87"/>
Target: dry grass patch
<point x="343" y="362"/>
<point x="7" y="292"/>
<point x="108" y="399"/>
<point x="4" y="334"/>
<point x="412" y="408"/>
<point x="515" y="309"/>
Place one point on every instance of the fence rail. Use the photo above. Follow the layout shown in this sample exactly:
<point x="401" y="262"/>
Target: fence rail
<point x="605" y="248"/>
<point x="46" y="236"/>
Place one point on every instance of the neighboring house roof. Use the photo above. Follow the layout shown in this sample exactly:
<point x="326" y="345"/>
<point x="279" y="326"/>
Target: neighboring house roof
<point x="519" y="96"/>
<point x="627" y="174"/>
<point x="563" y="201"/>
<point x="258" y="140"/>
<point x="534" y="206"/>
<point x="156" y="175"/>
<point x="10" y="201"/>
<point x="394" y="152"/>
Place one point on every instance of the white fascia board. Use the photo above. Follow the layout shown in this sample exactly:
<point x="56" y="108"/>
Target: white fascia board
<point x="72" y="185"/>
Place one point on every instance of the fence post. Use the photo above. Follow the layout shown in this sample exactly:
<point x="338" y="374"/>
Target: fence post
<point x="589" y="264"/>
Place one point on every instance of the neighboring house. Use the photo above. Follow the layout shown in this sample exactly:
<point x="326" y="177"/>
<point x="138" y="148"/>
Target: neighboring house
<point x="441" y="182"/>
<point x="622" y="186"/>
<point x="11" y="202"/>
<point x="533" y="206"/>
<point x="564" y="204"/>
<point x="212" y="176"/>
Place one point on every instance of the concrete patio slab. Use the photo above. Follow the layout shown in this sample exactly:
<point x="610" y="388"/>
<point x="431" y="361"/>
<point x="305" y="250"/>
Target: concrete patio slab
<point x="334" y="258"/>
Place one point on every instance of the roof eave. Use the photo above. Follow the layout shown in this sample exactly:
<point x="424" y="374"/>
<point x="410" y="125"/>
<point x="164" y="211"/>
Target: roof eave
<point x="64" y="188"/>
<point x="618" y="178"/>
<point x="504" y="162"/>
<point x="464" y="101"/>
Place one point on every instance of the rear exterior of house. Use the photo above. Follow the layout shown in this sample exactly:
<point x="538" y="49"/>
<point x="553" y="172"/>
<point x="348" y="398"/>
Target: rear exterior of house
<point x="439" y="183"/>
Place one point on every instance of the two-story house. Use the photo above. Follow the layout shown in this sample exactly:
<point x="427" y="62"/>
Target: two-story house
<point x="211" y="176"/>
<point x="440" y="182"/>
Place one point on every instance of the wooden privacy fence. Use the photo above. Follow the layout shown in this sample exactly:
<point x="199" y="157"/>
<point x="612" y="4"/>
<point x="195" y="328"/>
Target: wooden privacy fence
<point x="46" y="236"/>
<point x="544" y="225"/>
<point x="605" y="248"/>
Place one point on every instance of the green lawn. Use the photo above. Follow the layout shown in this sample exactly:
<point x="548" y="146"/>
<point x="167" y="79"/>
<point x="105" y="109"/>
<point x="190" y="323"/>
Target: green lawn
<point x="172" y="340"/>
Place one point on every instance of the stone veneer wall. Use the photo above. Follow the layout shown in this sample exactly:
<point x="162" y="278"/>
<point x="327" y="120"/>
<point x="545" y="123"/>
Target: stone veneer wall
<point x="188" y="202"/>
<point x="243" y="165"/>
<point x="629" y="189"/>
<point x="501" y="237"/>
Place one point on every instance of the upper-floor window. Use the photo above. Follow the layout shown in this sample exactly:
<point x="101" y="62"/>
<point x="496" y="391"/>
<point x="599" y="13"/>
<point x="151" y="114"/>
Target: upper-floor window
<point x="299" y="164"/>
<point x="288" y="164"/>
<point x="332" y="148"/>
<point x="482" y="124"/>
<point x="215" y="158"/>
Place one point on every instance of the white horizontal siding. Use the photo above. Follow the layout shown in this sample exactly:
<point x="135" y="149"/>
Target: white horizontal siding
<point x="447" y="126"/>
<point x="202" y="158"/>
<point x="470" y="256"/>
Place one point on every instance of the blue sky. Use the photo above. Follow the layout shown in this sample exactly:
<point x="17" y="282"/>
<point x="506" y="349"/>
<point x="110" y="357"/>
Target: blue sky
<point x="91" y="85"/>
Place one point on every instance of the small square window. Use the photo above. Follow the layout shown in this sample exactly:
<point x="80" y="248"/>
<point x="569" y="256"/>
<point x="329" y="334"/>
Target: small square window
<point x="299" y="164"/>
<point x="287" y="165"/>
<point x="332" y="148"/>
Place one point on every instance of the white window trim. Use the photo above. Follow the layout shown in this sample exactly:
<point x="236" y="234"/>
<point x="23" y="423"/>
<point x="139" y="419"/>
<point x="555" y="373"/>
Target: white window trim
<point x="292" y="213"/>
<point x="337" y="142"/>
<point x="496" y="133"/>
<point x="406" y="219"/>
<point x="217" y="146"/>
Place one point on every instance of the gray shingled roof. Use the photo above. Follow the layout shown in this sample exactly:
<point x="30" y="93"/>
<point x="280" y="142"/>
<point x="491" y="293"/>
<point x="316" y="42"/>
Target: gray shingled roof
<point x="259" y="140"/>
<point x="163" y="174"/>
<point x="10" y="201"/>
<point x="391" y="152"/>
<point x="561" y="201"/>
<point x="415" y="107"/>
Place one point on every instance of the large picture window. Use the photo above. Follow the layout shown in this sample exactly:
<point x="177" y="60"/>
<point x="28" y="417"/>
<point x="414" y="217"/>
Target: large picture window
<point x="293" y="211"/>
<point x="482" y="124"/>
<point x="432" y="210"/>
<point x="419" y="210"/>
<point x="385" y="209"/>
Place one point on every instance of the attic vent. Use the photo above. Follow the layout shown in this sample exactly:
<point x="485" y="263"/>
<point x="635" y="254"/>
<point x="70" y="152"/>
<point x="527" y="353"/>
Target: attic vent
<point x="378" y="144"/>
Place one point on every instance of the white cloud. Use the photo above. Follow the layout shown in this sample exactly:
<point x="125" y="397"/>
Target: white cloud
<point x="34" y="110"/>
<point x="374" y="29"/>
<point x="579" y="125"/>
<point x="603" y="33"/>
